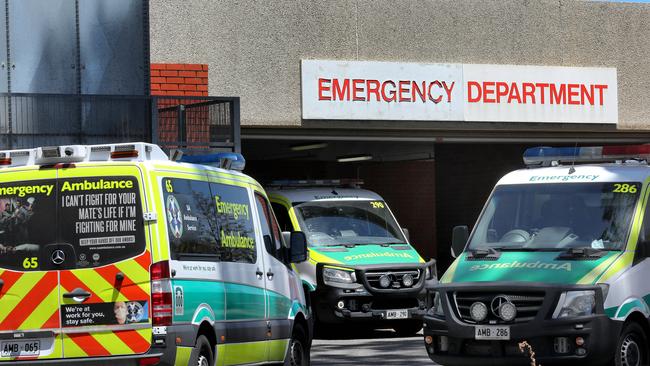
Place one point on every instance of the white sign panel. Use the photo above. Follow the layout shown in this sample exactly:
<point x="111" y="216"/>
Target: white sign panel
<point x="506" y="93"/>
<point x="363" y="90"/>
<point x="381" y="91"/>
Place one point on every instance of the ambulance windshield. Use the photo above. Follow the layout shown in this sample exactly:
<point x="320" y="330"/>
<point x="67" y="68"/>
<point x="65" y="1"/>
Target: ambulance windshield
<point x="557" y="216"/>
<point x="348" y="222"/>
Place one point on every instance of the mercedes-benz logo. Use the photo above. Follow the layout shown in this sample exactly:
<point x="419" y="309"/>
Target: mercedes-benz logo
<point x="503" y="308"/>
<point x="58" y="257"/>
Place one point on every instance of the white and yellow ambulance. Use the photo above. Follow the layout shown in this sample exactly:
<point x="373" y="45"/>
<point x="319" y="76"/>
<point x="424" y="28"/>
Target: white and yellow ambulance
<point x="115" y="255"/>
<point x="559" y="259"/>
<point x="362" y="269"/>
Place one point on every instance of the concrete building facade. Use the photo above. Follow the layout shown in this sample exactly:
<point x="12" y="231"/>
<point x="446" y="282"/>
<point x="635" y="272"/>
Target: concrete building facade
<point x="254" y="50"/>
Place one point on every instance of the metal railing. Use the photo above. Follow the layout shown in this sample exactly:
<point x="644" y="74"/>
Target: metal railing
<point x="189" y="123"/>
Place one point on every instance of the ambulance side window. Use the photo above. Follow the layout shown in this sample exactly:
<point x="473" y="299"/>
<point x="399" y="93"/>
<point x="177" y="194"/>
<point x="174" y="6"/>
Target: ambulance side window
<point x="190" y="213"/>
<point x="235" y="231"/>
<point x="282" y="215"/>
<point x="270" y="230"/>
<point x="643" y="243"/>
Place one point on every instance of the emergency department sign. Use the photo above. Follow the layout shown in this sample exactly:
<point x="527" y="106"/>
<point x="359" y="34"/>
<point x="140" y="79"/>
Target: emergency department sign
<point x="365" y="90"/>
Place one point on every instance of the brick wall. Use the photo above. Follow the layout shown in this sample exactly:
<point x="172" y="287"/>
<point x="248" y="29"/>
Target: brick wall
<point x="179" y="79"/>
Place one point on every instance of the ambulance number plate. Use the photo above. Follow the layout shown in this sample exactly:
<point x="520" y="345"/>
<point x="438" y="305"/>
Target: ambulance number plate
<point x="397" y="314"/>
<point x="498" y="333"/>
<point x="27" y="347"/>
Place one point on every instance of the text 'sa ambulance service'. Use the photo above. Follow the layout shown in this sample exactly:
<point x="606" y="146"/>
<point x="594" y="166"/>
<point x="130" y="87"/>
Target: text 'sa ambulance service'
<point x="557" y="264"/>
<point x="115" y="255"/>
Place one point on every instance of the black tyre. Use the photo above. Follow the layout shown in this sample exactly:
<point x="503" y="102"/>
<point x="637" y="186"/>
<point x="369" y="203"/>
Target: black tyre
<point x="298" y="351"/>
<point x="205" y="355"/>
<point x="407" y="328"/>
<point x="632" y="346"/>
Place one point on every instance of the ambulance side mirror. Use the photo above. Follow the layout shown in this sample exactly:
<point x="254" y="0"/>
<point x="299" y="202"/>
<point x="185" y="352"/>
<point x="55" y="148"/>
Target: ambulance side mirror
<point x="406" y="234"/>
<point x="297" y="247"/>
<point x="459" y="237"/>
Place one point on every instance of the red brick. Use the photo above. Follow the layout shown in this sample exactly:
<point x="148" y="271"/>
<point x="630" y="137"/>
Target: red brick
<point x="204" y="81"/>
<point x="158" y="66"/>
<point x="174" y="67"/>
<point x="169" y="86"/>
<point x="175" y="80"/>
<point x="192" y="81"/>
<point x="169" y="73"/>
<point x="201" y="74"/>
<point x="187" y="74"/>
<point x="155" y="72"/>
<point x="202" y="88"/>
<point x="155" y="86"/>
<point x="158" y="80"/>
<point x="187" y="87"/>
<point x="158" y="92"/>
<point x="194" y="67"/>
<point x="205" y="67"/>
<point x="195" y="94"/>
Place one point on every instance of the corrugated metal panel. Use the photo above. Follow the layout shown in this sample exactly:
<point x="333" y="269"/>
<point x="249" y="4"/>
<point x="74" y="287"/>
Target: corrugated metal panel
<point x="112" y="47"/>
<point x="43" y="46"/>
<point x="3" y="50"/>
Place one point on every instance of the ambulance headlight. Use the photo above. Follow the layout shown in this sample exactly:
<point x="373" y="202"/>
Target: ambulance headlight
<point x="334" y="275"/>
<point x="575" y="303"/>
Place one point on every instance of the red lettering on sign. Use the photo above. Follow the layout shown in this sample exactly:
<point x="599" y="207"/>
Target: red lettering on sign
<point x="404" y="90"/>
<point x="514" y="94"/>
<point x="357" y="87"/>
<point x="558" y="96"/>
<point x="529" y="91"/>
<point x="502" y="90"/>
<point x="415" y="89"/>
<point x="437" y="99"/>
<point x="601" y="91"/>
<point x="588" y="94"/>
<point x="324" y="88"/>
<point x="541" y="87"/>
<point x="573" y="92"/>
<point x="373" y="87"/>
<point x="341" y="92"/>
<point x="488" y="89"/>
<point x="391" y="93"/>
<point x="471" y="85"/>
<point x="448" y="89"/>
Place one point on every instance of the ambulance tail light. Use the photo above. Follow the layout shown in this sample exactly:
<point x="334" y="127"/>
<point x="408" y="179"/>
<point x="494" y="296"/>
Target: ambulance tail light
<point x="124" y="154"/>
<point x="546" y="156"/>
<point x="5" y="161"/>
<point x="147" y="361"/>
<point x="161" y="294"/>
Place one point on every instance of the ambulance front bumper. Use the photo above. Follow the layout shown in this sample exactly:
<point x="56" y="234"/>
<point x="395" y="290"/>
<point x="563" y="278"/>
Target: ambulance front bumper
<point x="586" y="339"/>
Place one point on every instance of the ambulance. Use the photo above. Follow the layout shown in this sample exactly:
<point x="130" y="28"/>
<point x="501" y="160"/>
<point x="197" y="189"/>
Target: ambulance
<point x="116" y="255"/>
<point x="557" y="264"/>
<point x="362" y="269"/>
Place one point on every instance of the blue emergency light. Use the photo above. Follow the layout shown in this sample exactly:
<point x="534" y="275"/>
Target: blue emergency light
<point x="546" y="155"/>
<point x="224" y="160"/>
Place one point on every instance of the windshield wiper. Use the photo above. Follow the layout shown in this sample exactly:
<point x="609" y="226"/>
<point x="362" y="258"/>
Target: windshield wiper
<point x="486" y="253"/>
<point x="583" y="252"/>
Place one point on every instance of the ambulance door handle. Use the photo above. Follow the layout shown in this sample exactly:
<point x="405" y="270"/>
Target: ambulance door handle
<point x="259" y="274"/>
<point x="270" y="275"/>
<point x="77" y="295"/>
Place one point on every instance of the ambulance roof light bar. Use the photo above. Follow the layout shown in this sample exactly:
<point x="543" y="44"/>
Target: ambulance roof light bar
<point x="138" y="151"/>
<point x="306" y="183"/>
<point x="223" y="160"/>
<point x="546" y="156"/>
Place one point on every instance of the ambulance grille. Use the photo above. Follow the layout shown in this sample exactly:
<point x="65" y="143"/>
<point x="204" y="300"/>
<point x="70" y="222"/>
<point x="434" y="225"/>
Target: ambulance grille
<point x="396" y="278"/>
<point x="528" y="305"/>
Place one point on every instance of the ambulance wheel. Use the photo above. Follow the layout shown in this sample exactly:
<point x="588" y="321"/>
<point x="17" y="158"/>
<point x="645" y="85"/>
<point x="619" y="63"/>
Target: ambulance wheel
<point x="407" y="328"/>
<point x="205" y="357"/>
<point x="632" y="346"/>
<point x="298" y="351"/>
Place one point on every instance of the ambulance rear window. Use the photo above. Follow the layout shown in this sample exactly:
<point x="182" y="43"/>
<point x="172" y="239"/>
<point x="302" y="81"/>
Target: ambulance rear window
<point x="91" y="221"/>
